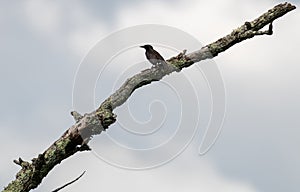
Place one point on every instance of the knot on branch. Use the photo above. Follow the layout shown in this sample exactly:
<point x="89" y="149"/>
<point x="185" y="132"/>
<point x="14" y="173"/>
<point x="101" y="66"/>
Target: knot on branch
<point x="39" y="161"/>
<point x="180" y="61"/>
<point x="105" y="114"/>
<point x="248" y="25"/>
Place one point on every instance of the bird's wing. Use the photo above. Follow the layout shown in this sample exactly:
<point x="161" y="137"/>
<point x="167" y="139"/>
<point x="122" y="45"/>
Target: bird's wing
<point x="157" y="56"/>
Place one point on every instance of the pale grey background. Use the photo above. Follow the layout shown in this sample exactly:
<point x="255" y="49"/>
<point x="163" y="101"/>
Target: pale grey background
<point x="43" y="42"/>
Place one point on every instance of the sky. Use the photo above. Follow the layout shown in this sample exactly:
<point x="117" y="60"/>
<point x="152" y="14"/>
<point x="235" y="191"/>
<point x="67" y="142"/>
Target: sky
<point x="62" y="56"/>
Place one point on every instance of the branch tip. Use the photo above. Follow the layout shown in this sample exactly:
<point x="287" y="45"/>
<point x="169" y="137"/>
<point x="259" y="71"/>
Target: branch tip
<point x="65" y="185"/>
<point x="270" y="28"/>
<point x="18" y="161"/>
<point x="77" y="116"/>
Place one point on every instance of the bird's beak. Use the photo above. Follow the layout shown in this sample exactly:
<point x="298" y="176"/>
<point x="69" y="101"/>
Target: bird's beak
<point x="142" y="46"/>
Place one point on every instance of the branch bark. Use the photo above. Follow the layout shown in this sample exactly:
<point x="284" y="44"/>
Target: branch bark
<point x="76" y="138"/>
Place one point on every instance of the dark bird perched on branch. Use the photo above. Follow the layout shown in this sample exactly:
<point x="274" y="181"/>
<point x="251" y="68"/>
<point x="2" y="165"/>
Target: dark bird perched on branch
<point x="153" y="56"/>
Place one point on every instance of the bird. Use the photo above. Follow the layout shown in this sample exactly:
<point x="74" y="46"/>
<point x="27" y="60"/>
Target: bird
<point x="153" y="56"/>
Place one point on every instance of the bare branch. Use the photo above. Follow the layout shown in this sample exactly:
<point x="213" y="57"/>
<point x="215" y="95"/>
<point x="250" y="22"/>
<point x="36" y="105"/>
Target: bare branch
<point x="76" y="137"/>
<point x="65" y="185"/>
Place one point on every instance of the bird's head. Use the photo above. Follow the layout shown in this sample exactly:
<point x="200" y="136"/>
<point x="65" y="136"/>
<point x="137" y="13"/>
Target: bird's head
<point x="147" y="47"/>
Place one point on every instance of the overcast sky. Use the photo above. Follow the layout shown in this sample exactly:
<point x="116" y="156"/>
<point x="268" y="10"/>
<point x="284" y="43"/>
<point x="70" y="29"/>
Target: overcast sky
<point x="46" y="44"/>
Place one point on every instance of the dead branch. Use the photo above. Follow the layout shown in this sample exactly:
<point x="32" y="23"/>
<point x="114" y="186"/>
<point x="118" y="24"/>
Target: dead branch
<point x="77" y="137"/>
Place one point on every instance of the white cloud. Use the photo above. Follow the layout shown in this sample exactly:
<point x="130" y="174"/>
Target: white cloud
<point x="45" y="17"/>
<point x="60" y="24"/>
<point x="206" y="20"/>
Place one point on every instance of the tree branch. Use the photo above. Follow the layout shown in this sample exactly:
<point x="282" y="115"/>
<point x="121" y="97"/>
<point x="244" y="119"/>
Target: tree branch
<point x="69" y="183"/>
<point x="75" y="139"/>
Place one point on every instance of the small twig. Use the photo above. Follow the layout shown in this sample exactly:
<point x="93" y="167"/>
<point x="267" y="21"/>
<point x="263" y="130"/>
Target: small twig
<point x="76" y="116"/>
<point x="18" y="161"/>
<point x="21" y="162"/>
<point x="266" y="32"/>
<point x="58" y="189"/>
